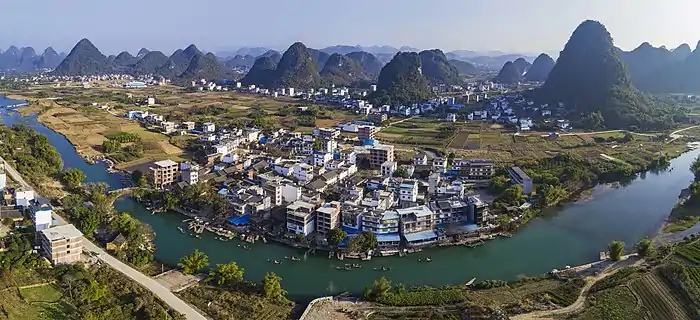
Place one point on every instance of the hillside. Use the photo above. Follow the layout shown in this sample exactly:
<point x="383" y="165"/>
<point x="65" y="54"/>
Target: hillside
<point x="464" y="68"/>
<point x="509" y="74"/>
<point x="240" y="61"/>
<point x="297" y="68"/>
<point x="142" y="53"/>
<point x="592" y="82"/>
<point x="9" y="58"/>
<point x="540" y="68"/>
<point x="49" y="59"/>
<point x="204" y="66"/>
<point x="682" y="52"/>
<point x="436" y="68"/>
<point x="83" y="59"/>
<point x="319" y="57"/>
<point x="263" y="70"/>
<point x="27" y="60"/>
<point x="644" y="60"/>
<point x="369" y="62"/>
<point x="522" y="65"/>
<point x="677" y="77"/>
<point x="125" y="59"/>
<point x="401" y="81"/>
<point x="150" y="63"/>
<point x="342" y="70"/>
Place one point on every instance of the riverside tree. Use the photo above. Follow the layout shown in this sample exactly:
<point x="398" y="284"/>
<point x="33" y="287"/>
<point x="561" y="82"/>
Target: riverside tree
<point x="193" y="263"/>
<point x="227" y="274"/>
<point x="335" y="236"/>
<point x="644" y="248"/>
<point x="73" y="178"/>
<point x="616" y="248"/>
<point x="272" y="287"/>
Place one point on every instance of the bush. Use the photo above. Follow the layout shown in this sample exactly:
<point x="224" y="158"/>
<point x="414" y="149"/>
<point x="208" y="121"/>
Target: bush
<point x="425" y="297"/>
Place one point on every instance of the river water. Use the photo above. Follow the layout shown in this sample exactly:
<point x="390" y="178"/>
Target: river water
<point x="571" y="235"/>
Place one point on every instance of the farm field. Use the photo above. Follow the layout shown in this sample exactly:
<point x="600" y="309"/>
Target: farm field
<point x="659" y="302"/>
<point x="690" y="252"/>
<point x="616" y="303"/>
<point x="694" y="273"/>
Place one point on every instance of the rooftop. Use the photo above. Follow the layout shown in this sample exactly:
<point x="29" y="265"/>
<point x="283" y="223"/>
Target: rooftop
<point x="419" y="211"/>
<point x="420" y="236"/>
<point x="390" y="237"/>
<point x="520" y="173"/>
<point x="66" y="231"/>
<point x="165" y="163"/>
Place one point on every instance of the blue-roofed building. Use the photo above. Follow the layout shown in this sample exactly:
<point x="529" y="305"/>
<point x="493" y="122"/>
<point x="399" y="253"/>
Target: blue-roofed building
<point x="388" y="242"/>
<point x="135" y="84"/>
<point x="422" y="238"/>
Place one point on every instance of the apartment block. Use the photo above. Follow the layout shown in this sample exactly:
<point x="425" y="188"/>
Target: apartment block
<point x="378" y="154"/>
<point x="163" y="173"/>
<point x="328" y="217"/>
<point x="365" y="133"/>
<point x="301" y="218"/>
<point x="62" y="244"/>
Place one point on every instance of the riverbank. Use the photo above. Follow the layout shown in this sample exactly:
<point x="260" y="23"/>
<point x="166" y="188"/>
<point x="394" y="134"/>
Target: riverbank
<point x="572" y="234"/>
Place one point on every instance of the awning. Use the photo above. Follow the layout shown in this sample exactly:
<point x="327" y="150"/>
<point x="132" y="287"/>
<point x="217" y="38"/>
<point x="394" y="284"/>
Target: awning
<point x="239" y="221"/>
<point x="421" y="236"/>
<point x="389" y="237"/>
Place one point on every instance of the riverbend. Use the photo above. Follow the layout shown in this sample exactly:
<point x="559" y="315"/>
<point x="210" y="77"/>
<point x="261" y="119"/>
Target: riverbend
<point x="570" y="235"/>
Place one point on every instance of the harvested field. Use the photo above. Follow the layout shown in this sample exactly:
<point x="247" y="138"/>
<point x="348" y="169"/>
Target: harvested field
<point x="657" y="299"/>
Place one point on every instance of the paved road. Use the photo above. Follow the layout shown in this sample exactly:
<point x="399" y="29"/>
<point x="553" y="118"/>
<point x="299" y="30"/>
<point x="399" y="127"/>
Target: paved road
<point x="159" y="290"/>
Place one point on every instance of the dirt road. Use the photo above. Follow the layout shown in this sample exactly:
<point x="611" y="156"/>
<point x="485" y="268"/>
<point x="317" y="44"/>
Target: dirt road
<point x="580" y="302"/>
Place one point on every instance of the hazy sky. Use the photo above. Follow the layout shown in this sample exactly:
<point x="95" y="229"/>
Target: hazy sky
<point x="506" y="25"/>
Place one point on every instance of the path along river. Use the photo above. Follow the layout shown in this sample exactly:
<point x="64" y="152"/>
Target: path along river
<point x="571" y="235"/>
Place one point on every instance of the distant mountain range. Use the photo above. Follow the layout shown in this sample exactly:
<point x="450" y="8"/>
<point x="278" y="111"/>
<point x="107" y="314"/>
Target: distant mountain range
<point x="26" y="60"/>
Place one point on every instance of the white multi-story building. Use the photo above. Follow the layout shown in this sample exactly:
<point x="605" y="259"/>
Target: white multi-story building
<point x="3" y="177"/>
<point x="303" y="172"/>
<point x="291" y="193"/>
<point x="388" y="168"/>
<point x="208" y="127"/>
<point x="41" y="211"/>
<point x="408" y="192"/>
<point x="301" y="218"/>
<point x="190" y="173"/>
<point x="24" y="197"/>
<point x="328" y="217"/>
<point x="321" y="158"/>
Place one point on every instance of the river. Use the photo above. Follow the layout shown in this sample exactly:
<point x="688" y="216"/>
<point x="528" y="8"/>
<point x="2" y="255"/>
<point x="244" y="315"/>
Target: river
<point x="570" y="235"/>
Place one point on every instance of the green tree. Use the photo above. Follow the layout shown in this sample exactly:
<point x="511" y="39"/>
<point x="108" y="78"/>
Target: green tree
<point x="380" y="287"/>
<point x="194" y="262"/>
<point x="73" y="177"/>
<point x="93" y="292"/>
<point x="644" y="248"/>
<point x="401" y="173"/>
<point x="551" y="195"/>
<point x="318" y="144"/>
<point x="615" y="249"/>
<point x="335" y="236"/>
<point x="695" y="168"/>
<point x="227" y="274"/>
<point x="499" y="183"/>
<point x="368" y="241"/>
<point x="88" y="220"/>
<point x="272" y="287"/>
<point x="170" y="202"/>
<point x="111" y="146"/>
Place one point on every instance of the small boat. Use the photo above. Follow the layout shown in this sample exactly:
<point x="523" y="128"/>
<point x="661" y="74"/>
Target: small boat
<point x="339" y="268"/>
<point x="181" y="230"/>
<point x="356" y="265"/>
<point x="347" y="268"/>
<point x="295" y="259"/>
<point x="198" y="236"/>
<point x="382" y="269"/>
<point x="428" y="259"/>
<point x="287" y="257"/>
<point x="276" y="262"/>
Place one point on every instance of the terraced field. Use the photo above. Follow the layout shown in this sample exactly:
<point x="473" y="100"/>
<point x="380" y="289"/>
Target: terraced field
<point x="690" y="252"/>
<point x="694" y="274"/>
<point x="657" y="299"/>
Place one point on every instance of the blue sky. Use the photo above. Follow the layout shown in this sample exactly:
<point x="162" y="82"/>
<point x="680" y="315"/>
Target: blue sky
<point x="505" y="25"/>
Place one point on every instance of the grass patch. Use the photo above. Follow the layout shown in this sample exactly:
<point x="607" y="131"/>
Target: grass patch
<point x="228" y="304"/>
<point x="35" y="303"/>
<point x="617" y="303"/>
<point x="680" y="224"/>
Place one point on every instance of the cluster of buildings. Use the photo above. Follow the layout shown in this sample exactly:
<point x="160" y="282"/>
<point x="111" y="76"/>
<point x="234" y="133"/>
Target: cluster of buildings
<point x="58" y="243"/>
<point x="516" y="110"/>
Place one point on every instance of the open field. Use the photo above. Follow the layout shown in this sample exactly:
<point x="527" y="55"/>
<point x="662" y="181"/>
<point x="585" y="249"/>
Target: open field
<point x="43" y="302"/>
<point x="616" y="303"/>
<point x="228" y="304"/>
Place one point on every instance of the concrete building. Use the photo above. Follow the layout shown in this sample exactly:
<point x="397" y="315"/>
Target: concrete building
<point x="521" y="178"/>
<point x="388" y="168"/>
<point x="301" y="218"/>
<point x="365" y="133"/>
<point x="474" y="169"/>
<point x="208" y="127"/>
<point x="163" y="173"/>
<point x="303" y="172"/>
<point x="328" y="133"/>
<point x="62" y="244"/>
<point x="420" y="159"/>
<point x="41" y="210"/>
<point x="24" y="197"/>
<point x="328" y="217"/>
<point x="408" y="192"/>
<point x="378" y="154"/>
<point x="190" y="174"/>
<point x="377" y="118"/>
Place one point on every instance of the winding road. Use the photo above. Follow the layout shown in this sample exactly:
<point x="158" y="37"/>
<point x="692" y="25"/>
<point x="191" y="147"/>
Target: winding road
<point x="147" y="282"/>
<point x="580" y="302"/>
